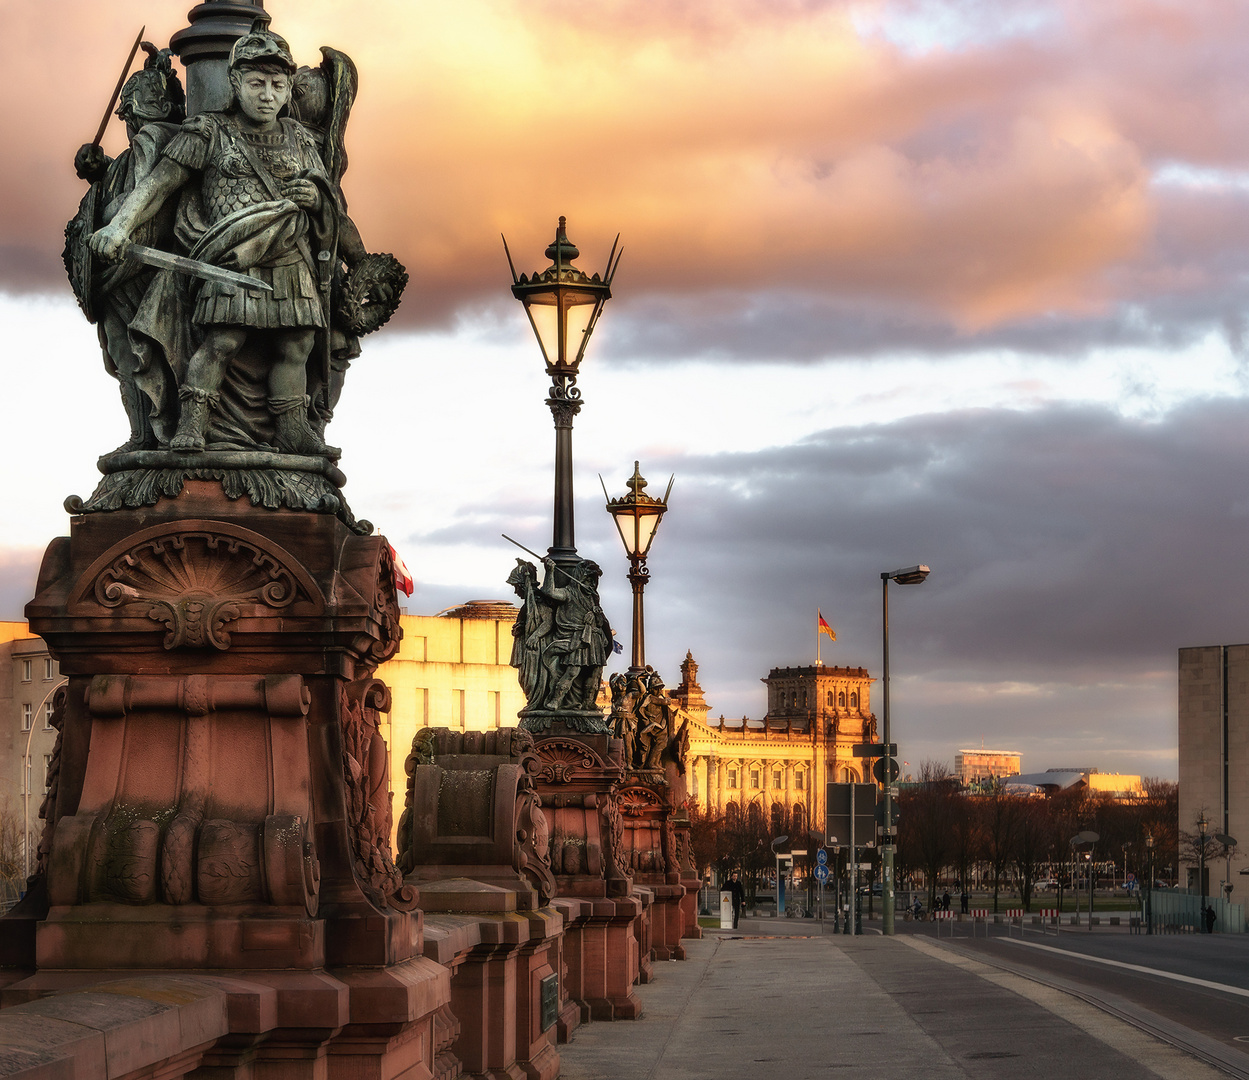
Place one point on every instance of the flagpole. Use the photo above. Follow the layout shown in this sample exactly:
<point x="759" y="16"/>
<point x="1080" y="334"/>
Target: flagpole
<point x="817" y="637"/>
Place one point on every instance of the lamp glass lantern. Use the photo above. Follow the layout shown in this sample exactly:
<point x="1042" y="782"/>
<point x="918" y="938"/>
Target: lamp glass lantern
<point x="637" y="516"/>
<point x="563" y="302"/>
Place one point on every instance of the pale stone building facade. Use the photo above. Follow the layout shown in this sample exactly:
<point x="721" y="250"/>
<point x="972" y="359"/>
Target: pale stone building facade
<point x="452" y="670"/>
<point x="28" y="679"/>
<point x="1214" y="753"/>
<point x="815" y="716"/>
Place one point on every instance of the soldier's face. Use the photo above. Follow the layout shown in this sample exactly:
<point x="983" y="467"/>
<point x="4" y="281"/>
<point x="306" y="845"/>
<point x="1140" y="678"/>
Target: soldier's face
<point x="262" y="96"/>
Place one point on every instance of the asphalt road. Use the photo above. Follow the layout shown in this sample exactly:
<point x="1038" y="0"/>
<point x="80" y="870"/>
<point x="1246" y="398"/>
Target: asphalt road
<point x="1196" y="981"/>
<point x="781" y="998"/>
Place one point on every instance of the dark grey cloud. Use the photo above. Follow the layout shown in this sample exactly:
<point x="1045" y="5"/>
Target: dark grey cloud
<point x="1073" y="552"/>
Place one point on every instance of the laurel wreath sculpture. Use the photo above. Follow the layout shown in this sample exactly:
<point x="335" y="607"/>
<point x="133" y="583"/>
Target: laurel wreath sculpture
<point x="357" y="308"/>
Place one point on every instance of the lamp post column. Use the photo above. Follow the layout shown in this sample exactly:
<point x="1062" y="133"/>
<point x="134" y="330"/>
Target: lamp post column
<point x="565" y="403"/>
<point x="1149" y="891"/>
<point x="638" y="577"/>
<point x="1202" y="826"/>
<point x="886" y="851"/>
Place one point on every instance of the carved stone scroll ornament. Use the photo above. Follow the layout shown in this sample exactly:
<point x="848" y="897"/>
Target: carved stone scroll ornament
<point x="367" y="793"/>
<point x="196" y="581"/>
<point x="563" y="759"/>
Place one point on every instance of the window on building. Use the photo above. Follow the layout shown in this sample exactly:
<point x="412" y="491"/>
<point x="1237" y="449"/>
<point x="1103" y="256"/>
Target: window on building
<point x="732" y="779"/>
<point x="854" y="701"/>
<point x="799" y="819"/>
<point x="754" y="778"/>
<point x="25" y="671"/>
<point x="47" y="715"/>
<point x="47" y="668"/>
<point x="798" y="781"/>
<point x="793" y="700"/>
<point x="841" y="700"/>
<point x="778" y="819"/>
<point x="27" y="712"/>
<point x="777" y="779"/>
<point x="830" y="699"/>
<point x="804" y="699"/>
<point x="47" y="770"/>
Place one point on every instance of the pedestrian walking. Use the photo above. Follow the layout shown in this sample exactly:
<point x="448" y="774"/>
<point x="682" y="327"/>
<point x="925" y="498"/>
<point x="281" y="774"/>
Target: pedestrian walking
<point x="739" y="897"/>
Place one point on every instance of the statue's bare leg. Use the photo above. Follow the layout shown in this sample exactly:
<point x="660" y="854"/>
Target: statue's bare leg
<point x="205" y="372"/>
<point x="288" y="395"/>
<point x="119" y="358"/>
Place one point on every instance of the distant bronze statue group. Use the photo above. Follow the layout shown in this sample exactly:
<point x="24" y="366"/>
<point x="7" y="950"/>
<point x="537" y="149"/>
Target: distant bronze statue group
<point x="215" y="255"/>
<point x="562" y="642"/>
<point x="644" y="718"/>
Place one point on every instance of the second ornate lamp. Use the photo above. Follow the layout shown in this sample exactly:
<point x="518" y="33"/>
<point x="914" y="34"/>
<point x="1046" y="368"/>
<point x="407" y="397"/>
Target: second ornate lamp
<point x="637" y="516"/>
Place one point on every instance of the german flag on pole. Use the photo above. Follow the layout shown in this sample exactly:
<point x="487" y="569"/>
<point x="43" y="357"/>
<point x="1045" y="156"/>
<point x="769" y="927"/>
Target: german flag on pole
<point x="823" y="627"/>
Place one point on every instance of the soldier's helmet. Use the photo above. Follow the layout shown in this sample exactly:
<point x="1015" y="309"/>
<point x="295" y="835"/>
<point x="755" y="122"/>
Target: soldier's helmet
<point x="155" y="92"/>
<point x="261" y="46"/>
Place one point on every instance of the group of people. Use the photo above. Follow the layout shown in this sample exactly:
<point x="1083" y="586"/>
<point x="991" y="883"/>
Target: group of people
<point x="941" y="903"/>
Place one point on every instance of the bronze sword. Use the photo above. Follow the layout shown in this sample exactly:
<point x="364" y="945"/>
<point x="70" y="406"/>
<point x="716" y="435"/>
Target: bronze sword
<point x="166" y="260"/>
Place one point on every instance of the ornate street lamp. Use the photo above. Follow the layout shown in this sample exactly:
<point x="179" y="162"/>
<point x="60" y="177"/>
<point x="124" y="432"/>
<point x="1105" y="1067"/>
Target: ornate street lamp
<point x="1149" y="891"/>
<point x="563" y="304"/>
<point x="637" y="516"/>
<point x="910" y="575"/>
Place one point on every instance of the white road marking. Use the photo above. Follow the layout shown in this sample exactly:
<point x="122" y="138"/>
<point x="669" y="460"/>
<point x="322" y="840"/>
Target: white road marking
<point x="1238" y="991"/>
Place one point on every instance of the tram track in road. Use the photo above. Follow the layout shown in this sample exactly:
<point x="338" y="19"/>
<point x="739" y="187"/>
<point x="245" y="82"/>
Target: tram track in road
<point x="1202" y="1017"/>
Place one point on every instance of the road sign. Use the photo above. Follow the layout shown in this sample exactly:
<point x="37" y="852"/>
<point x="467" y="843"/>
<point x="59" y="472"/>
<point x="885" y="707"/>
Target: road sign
<point x="838" y="800"/>
<point x="821" y="857"/>
<point x="874" y="750"/>
<point x="821" y="873"/>
<point x="878" y="769"/>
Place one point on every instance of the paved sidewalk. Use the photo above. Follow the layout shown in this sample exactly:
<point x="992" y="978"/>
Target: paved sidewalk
<point x="775" y="1000"/>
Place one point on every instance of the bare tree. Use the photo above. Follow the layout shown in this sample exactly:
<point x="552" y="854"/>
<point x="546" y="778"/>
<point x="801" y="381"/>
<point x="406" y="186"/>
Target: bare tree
<point x="12" y="853"/>
<point x="999" y="827"/>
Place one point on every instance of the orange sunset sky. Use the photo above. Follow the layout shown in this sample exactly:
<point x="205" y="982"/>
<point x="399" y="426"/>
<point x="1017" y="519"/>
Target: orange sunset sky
<point x="904" y="280"/>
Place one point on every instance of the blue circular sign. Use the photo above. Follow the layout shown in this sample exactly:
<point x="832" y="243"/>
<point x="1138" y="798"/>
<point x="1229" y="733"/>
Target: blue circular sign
<point x="821" y="856"/>
<point x="821" y="872"/>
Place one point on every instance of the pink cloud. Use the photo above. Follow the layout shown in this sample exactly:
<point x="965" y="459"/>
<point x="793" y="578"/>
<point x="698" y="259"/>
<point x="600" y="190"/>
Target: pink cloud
<point x="740" y="146"/>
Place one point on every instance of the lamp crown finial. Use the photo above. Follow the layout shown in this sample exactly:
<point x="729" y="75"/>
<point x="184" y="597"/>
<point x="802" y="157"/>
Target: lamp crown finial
<point x="635" y="483"/>
<point x="561" y="250"/>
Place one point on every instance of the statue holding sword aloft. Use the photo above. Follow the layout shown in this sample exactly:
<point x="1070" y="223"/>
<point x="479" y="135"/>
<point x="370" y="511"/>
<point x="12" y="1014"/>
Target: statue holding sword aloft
<point x="253" y="199"/>
<point x="151" y="105"/>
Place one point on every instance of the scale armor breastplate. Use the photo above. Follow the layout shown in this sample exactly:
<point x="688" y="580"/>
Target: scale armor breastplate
<point x="222" y="194"/>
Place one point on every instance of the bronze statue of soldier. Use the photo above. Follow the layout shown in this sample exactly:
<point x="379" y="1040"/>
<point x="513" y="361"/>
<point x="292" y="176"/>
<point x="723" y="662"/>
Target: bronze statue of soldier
<point x="259" y="202"/>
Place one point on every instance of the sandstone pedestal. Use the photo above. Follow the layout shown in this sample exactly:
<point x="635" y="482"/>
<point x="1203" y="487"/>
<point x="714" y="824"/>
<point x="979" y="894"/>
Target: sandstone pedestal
<point x="219" y="798"/>
<point x="604" y="919"/>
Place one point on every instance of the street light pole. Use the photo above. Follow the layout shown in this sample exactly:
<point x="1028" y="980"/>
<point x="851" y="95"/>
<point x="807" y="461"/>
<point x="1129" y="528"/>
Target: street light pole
<point x="563" y="305"/>
<point x="1202" y="826"/>
<point x="1149" y="892"/>
<point x="911" y="575"/>
<point x="26" y="771"/>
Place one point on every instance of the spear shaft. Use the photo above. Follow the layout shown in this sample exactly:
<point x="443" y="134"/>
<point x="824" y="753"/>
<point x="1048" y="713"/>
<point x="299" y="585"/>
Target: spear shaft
<point x="117" y="89"/>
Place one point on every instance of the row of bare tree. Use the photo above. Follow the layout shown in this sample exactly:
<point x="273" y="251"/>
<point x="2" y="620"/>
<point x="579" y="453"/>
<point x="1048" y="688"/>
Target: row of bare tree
<point x="946" y="835"/>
